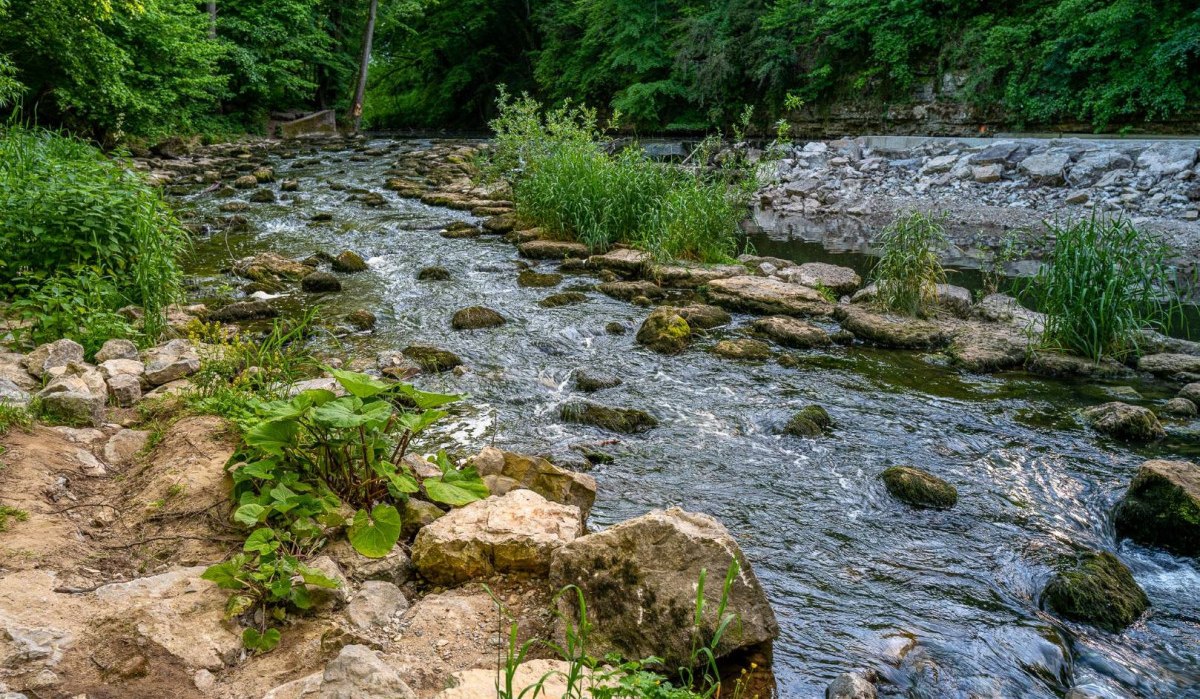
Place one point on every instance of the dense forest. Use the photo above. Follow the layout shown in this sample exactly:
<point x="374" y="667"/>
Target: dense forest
<point x="146" y="67"/>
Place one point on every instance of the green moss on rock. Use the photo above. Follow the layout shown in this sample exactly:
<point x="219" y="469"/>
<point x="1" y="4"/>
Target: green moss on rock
<point x="810" y="421"/>
<point x="432" y="358"/>
<point x="624" y="420"/>
<point x="476" y="317"/>
<point x="919" y="488"/>
<point x="1096" y="589"/>
<point x="1162" y="507"/>
<point x="1126" y="422"/>
<point x="665" y="331"/>
<point x="529" y="278"/>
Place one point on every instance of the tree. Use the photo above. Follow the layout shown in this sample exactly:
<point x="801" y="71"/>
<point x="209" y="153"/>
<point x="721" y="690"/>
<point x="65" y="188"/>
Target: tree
<point x="356" y="107"/>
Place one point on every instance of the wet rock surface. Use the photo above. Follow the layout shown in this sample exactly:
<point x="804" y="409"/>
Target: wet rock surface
<point x="1162" y="507"/>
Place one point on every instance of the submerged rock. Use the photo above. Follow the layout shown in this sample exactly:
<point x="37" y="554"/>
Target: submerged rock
<point x="753" y="350"/>
<point x="810" y="421"/>
<point x="1162" y="507"/>
<point x="349" y="261"/>
<point x="240" y="311"/>
<point x="851" y="685"/>
<point x="435" y="273"/>
<point x="630" y="291"/>
<point x="362" y="319"/>
<point x="640" y="578"/>
<point x="590" y="382"/>
<point x="476" y="317"/>
<point x="529" y="278"/>
<point x="1096" y="589"/>
<point x="919" y="488"/>
<point x="624" y="420"/>
<point x="1179" y="406"/>
<point x="988" y="347"/>
<point x="516" y="533"/>
<point x="320" y="282"/>
<point x="432" y="358"/>
<point x="1124" y="421"/>
<point x="665" y="331"/>
<point x="792" y="332"/>
<point x="565" y="298"/>
<point x="267" y="266"/>
<point x="1191" y="392"/>
<point x="900" y="332"/>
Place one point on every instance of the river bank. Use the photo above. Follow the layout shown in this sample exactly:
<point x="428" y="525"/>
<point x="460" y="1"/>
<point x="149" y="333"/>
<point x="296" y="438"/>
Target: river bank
<point x="859" y="580"/>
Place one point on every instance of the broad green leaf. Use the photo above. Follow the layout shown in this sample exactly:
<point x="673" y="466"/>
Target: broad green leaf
<point x="426" y="400"/>
<point x="375" y="535"/>
<point x="237" y="605"/>
<point x="457" y="488"/>
<point x="415" y="423"/>
<point x="225" y="574"/>
<point x="249" y="514"/>
<point x="263" y="469"/>
<point x="312" y="576"/>
<point x="261" y="540"/>
<point x="260" y="643"/>
<point x="360" y="385"/>
<point x="399" y="482"/>
<point x="317" y="396"/>
<point x="350" y="412"/>
<point x="272" y="436"/>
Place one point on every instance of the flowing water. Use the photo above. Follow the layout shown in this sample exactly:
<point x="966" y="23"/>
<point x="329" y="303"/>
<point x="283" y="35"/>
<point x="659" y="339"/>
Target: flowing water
<point x="942" y="604"/>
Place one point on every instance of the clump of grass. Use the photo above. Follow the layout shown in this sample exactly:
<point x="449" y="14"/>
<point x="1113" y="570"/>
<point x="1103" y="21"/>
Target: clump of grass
<point x="7" y="512"/>
<point x="566" y="180"/>
<point x="13" y="416"/>
<point x="1103" y="286"/>
<point x="909" y="270"/>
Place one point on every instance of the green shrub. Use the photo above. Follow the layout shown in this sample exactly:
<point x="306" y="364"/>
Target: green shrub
<point x="80" y="306"/>
<point x="908" y="270"/>
<point x="67" y="207"/>
<point x="565" y="180"/>
<point x="1104" y="284"/>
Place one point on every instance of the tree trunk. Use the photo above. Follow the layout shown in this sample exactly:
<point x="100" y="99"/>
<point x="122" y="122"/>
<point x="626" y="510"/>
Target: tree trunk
<point x="212" y="19"/>
<point x="356" y="108"/>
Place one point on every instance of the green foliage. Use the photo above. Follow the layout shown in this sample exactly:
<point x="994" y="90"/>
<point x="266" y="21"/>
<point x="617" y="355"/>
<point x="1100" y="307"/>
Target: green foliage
<point x="80" y="306"/>
<point x="564" y="179"/>
<point x="13" y="416"/>
<point x="909" y="270"/>
<point x="7" y="513"/>
<point x="1104" y="284"/>
<point x="70" y="211"/>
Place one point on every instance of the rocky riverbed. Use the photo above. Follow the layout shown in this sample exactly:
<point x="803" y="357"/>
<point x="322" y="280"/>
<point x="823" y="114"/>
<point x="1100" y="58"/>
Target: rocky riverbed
<point x="923" y="503"/>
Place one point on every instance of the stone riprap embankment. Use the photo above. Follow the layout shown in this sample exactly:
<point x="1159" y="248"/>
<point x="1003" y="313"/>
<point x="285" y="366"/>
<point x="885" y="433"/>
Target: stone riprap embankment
<point x="992" y="183"/>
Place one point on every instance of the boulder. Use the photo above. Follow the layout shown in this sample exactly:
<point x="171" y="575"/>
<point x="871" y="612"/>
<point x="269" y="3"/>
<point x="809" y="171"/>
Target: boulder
<point x="361" y="319"/>
<point x="625" y="261"/>
<point x="262" y="196"/>
<point x="539" y="475"/>
<point x="12" y="394"/>
<point x="433" y="274"/>
<point x="1096" y="588"/>
<point x="566" y="298"/>
<point x="995" y="154"/>
<point x="116" y="349"/>
<point x="768" y="295"/>
<point x="743" y="348"/>
<point x="53" y="354"/>
<point x="270" y="265"/>
<point x="810" y="421"/>
<point x="1002" y="308"/>
<point x="356" y="673"/>
<point x="851" y="685"/>
<point x="476" y="317"/>
<point x="532" y="279"/>
<point x="987" y="174"/>
<point x="551" y="249"/>
<point x="986" y="347"/>
<point x="514" y="533"/>
<point x="395" y="568"/>
<point x="792" y="332"/>
<point x="12" y="369"/>
<point x="919" y="488"/>
<point x="320" y="282"/>
<point x="1047" y="168"/>
<point x="701" y="316"/>
<point x="1167" y="158"/>
<point x="245" y="182"/>
<point x="623" y="420"/>
<point x="1170" y="364"/>
<point x="630" y="290"/>
<point x="125" y="389"/>
<point x="693" y="276"/>
<point x="665" y="331"/>
<point x="417" y="514"/>
<point x="640" y="579"/>
<point x="1124" y="421"/>
<point x="1162" y="507"/>
<point x="504" y="223"/>
<point x="349" y="262"/>
<point x="241" y="311"/>
<point x="77" y="377"/>
<point x="1048" y="363"/>
<point x="1179" y="406"/>
<point x="376" y="605"/>
<point x="1093" y="164"/>
<point x="839" y="280"/>
<point x="170" y="362"/>
<point x="885" y="330"/>
<point x="432" y="358"/>
<point x="119" y="367"/>
<point x="1191" y="392"/>
<point x="589" y="382"/>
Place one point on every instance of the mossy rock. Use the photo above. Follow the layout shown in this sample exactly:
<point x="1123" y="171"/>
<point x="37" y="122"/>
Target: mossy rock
<point x="349" y="261"/>
<point x="476" y="317"/>
<point x="432" y="358"/>
<point x="566" y="298"/>
<point x="1126" y="422"/>
<point x="615" y="328"/>
<point x="919" y="488"/>
<point x="1162" y="507"/>
<point x="665" y="331"/>
<point x="1096" y="589"/>
<point x="320" y="282"/>
<point x="262" y="196"/>
<point x="361" y="319"/>
<point x="623" y="420"/>
<point x="810" y="421"/>
<point x="745" y="349"/>
<point x="435" y="273"/>
<point x="529" y="278"/>
<point x="589" y="382"/>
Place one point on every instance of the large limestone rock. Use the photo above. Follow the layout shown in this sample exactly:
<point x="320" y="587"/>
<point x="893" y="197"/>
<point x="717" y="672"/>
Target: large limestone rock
<point x="623" y="261"/>
<point x="12" y="368"/>
<point x="1128" y="422"/>
<point x="1096" y="589"/>
<point x="505" y="471"/>
<point x="12" y="394"/>
<point x="899" y="332"/>
<point x="270" y="266"/>
<point x="1170" y="364"/>
<point x="53" y="354"/>
<point x="701" y="316"/>
<point x="1046" y="168"/>
<point x="75" y="407"/>
<point x="514" y="533"/>
<point x="170" y="362"/>
<point x="552" y="249"/>
<point x="1162" y="507"/>
<point x="665" y="331"/>
<point x="356" y="673"/>
<point x="116" y="349"/>
<point x="988" y="347"/>
<point x="630" y="290"/>
<point x="640" y="580"/>
<point x="77" y="377"/>
<point x="1167" y="158"/>
<point x="692" y="276"/>
<point x="768" y="295"/>
<point x="839" y="280"/>
<point x="792" y="332"/>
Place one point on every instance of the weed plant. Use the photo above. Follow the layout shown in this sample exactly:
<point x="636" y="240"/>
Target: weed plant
<point x="1104" y="284"/>
<point x="909" y="269"/>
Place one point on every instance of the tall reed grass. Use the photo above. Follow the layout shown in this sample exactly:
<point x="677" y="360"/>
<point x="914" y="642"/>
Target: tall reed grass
<point x="909" y="269"/>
